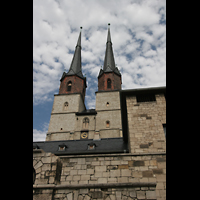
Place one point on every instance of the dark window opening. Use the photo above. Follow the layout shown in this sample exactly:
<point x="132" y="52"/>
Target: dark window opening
<point x="69" y="86"/>
<point x="108" y="83"/>
<point x="107" y="124"/>
<point x="164" y="128"/>
<point x="145" y="97"/>
<point x="85" y="123"/>
<point x="91" y="146"/>
<point x="62" y="147"/>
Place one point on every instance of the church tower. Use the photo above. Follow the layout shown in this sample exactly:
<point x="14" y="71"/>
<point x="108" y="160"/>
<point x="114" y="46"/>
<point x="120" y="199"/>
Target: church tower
<point x="69" y="100"/>
<point x="109" y="77"/>
<point x="108" y="120"/>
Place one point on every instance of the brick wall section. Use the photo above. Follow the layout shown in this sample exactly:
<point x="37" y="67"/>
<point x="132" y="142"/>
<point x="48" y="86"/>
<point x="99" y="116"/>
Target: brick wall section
<point x="77" y="85"/>
<point x="145" y="123"/>
<point x="115" y="82"/>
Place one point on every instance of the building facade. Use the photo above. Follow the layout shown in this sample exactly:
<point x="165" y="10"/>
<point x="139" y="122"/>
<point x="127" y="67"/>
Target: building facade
<point x="115" y="151"/>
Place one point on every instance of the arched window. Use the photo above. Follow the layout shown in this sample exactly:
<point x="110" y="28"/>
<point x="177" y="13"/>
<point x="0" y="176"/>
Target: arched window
<point x="65" y="106"/>
<point x="85" y="123"/>
<point x="108" y="83"/>
<point x="69" y="86"/>
<point x="107" y="124"/>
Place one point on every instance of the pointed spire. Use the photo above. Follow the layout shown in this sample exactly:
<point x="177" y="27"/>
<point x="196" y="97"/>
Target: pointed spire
<point x="79" y="38"/>
<point x="75" y="67"/>
<point x="109" y="61"/>
<point x="108" y="37"/>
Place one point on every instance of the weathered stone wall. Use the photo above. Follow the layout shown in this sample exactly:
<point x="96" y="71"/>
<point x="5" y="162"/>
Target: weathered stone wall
<point x="48" y="167"/>
<point x="120" y="168"/>
<point x="145" y="123"/>
<point x="91" y="170"/>
<point x="111" y="192"/>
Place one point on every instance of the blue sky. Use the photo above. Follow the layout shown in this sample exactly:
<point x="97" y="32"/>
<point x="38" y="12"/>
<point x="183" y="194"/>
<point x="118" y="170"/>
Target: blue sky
<point x="138" y="34"/>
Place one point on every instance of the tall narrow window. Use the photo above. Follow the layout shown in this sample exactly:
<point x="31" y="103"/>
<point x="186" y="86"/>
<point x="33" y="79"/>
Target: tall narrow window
<point x="69" y="86"/>
<point x="108" y="83"/>
<point x="164" y="128"/>
<point x="65" y="106"/>
<point x="107" y="124"/>
<point x="85" y="123"/>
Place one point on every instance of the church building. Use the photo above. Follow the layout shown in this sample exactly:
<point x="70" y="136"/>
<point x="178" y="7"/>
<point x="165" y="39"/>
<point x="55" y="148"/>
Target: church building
<point x="115" y="151"/>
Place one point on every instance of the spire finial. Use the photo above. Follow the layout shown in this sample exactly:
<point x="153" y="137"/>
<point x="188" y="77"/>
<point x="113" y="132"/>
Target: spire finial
<point x="81" y="28"/>
<point x="108" y="37"/>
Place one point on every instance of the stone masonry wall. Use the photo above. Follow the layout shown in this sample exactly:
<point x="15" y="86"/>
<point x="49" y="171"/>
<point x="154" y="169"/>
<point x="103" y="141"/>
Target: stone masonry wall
<point x="107" y="169"/>
<point x="47" y="167"/>
<point x="118" y="168"/>
<point x="145" y="123"/>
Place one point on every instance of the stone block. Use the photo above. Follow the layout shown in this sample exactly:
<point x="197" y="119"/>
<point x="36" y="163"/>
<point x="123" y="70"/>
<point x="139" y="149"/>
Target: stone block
<point x="82" y="171"/>
<point x="83" y="191"/>
<point x="73" y="172"/>
<point x="140" y="194"/>
<point x="97" y="194"/>
<point x="157" y="171"/>
<point x="150" y="194"/>
<point x="46" y="159"/>
<point x="70" y="196"/>
<point x="39" y="164"/>
<point x="114" y="173"/>
<point x="85" y="177"/>
<point x="100" y="168"/>
<point x="144" y="145"/>
<point x="77" y="178"/>
<point x="90" y="171"/>
<point x="118" y="195"/>
<point x="125" y="172"/>
<point x="98" y="174"/>
<point x="132" y="193"/>
<point x="46" y="167"/>
<point x="147" y="174"/>
<point x="123" y="167"/>
<point x="122" y="179"/>
<point x="135" y="163"/>
<point x="102" y="180"/>
<point x="81" y="161"/>
<point x="115" y="162"/>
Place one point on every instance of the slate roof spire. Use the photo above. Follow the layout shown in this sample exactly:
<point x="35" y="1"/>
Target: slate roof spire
<point x="109" y="61"/>
<point x="76" y="67"/>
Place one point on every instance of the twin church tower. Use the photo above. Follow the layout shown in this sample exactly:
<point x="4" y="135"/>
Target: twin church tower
<point x="69" y="118"/>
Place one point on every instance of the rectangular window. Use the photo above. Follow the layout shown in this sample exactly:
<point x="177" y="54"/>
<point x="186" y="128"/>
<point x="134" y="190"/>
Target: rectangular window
<point x="145" y="97"/>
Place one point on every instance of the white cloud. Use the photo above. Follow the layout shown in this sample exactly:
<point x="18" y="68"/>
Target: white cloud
<point x="40" y="135"/>
<point x="138" y="37"/>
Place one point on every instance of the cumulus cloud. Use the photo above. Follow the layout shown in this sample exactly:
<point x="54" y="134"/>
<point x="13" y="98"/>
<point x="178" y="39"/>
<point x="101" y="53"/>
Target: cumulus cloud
<point x="40" y="135"/>
<point x="138" y="34"/>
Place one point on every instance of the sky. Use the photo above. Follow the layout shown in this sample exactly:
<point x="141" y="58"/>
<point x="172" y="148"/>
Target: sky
<point x="138" y="34"/>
